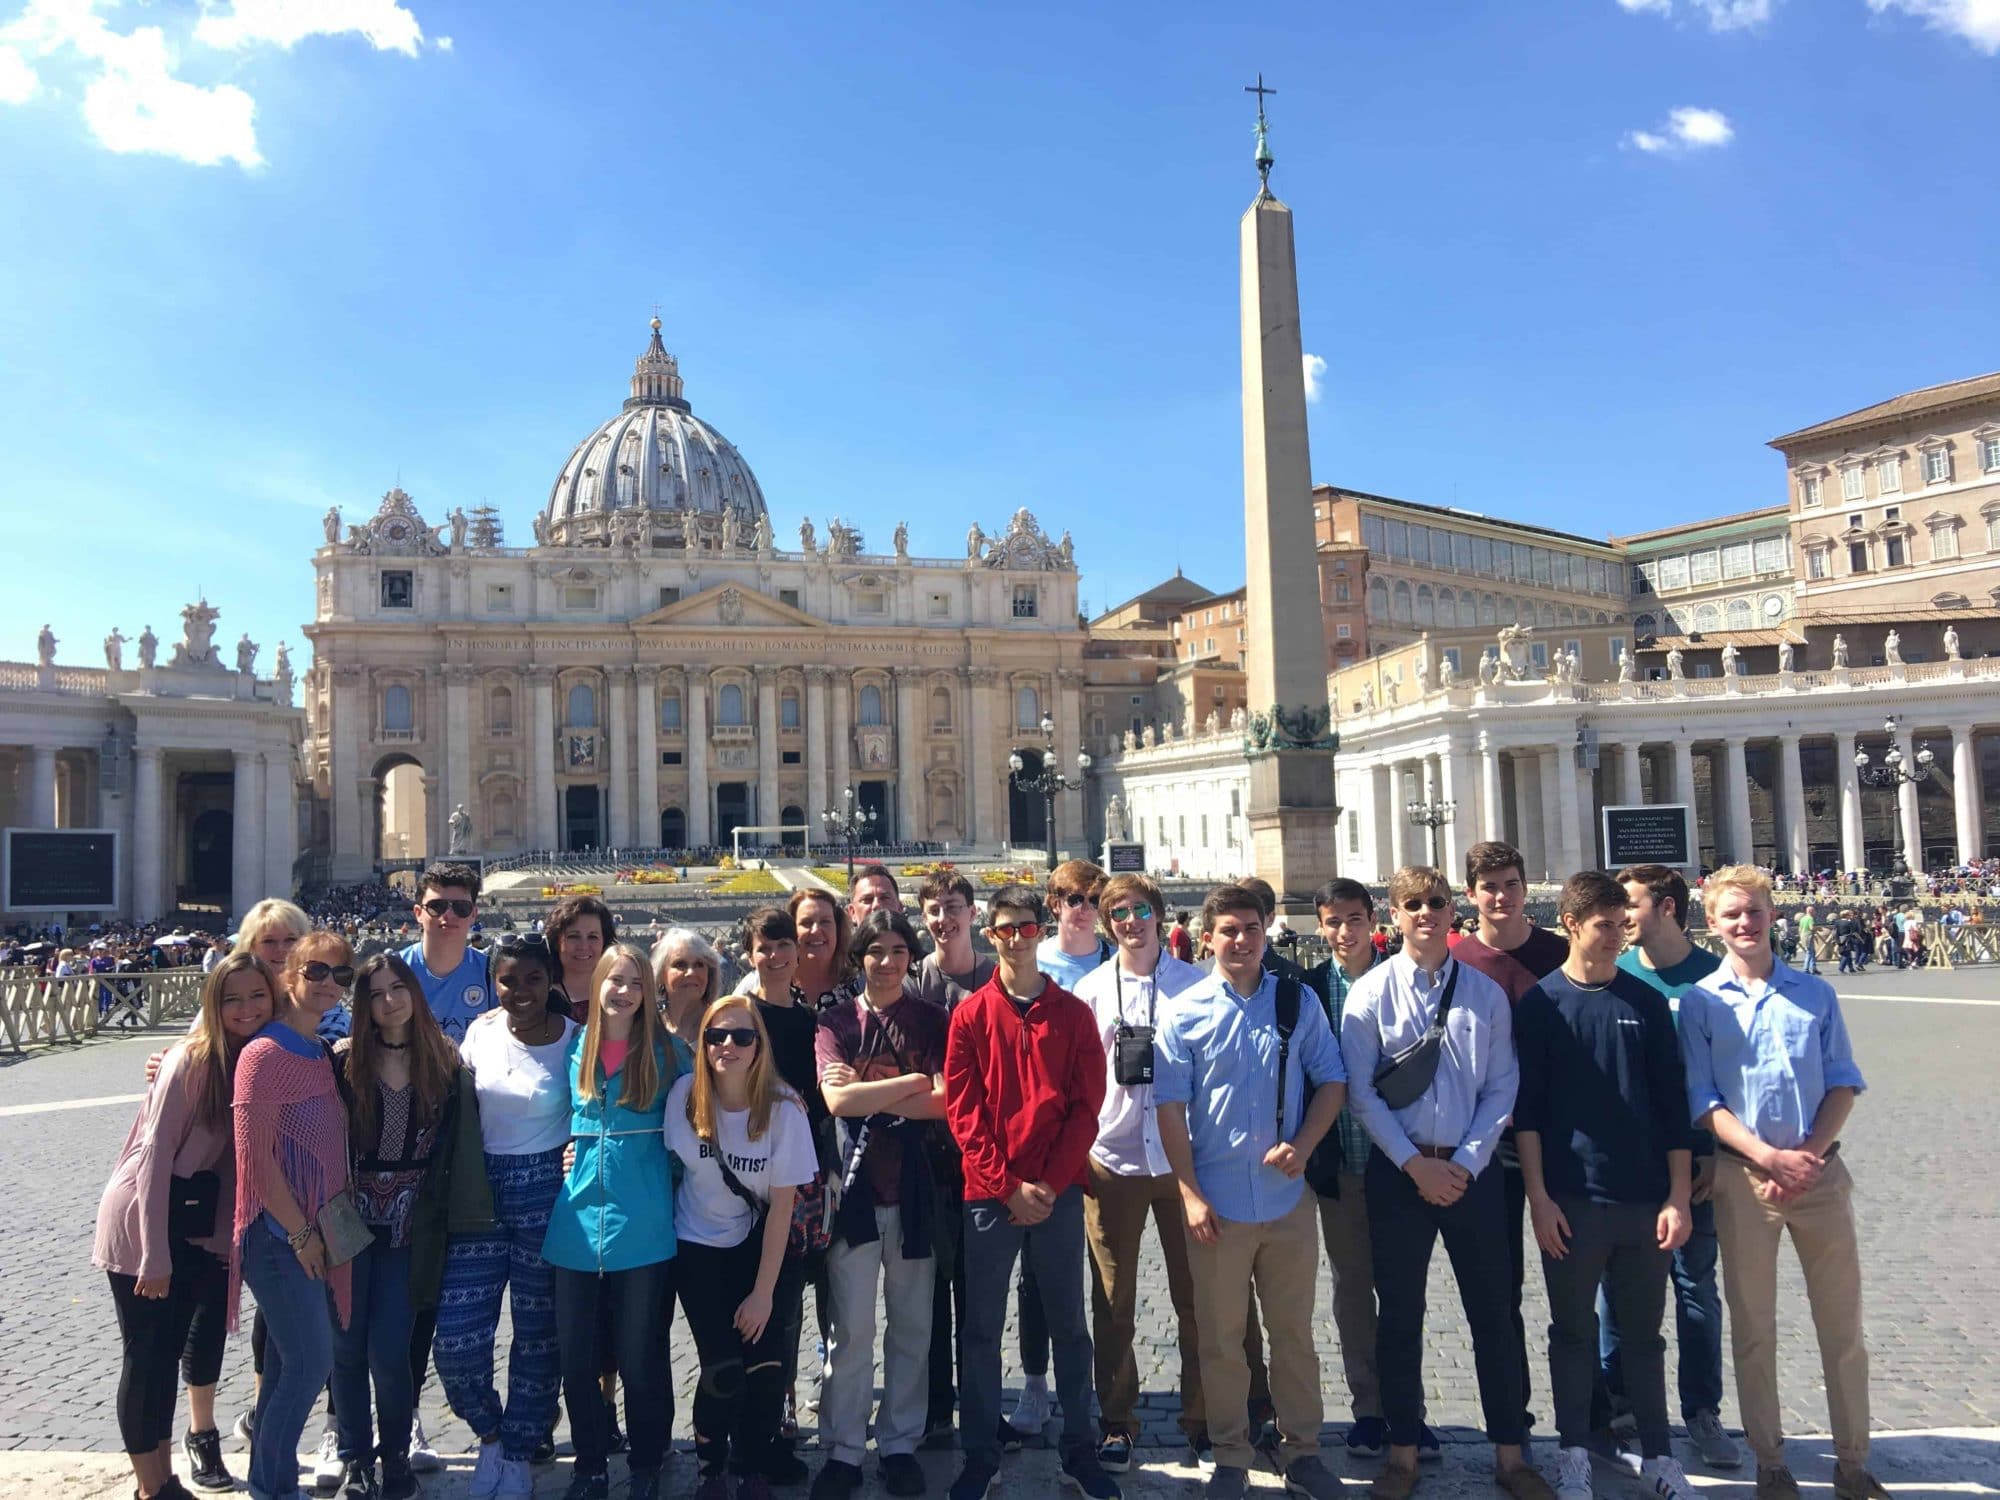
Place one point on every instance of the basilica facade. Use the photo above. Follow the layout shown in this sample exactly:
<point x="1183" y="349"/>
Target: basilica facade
<point x="658" y="671"/>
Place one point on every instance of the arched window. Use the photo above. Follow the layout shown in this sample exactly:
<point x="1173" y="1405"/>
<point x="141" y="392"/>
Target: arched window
<point x="1378" y="599"/>
<point x="1488" y="614"/>
<point x="729" y="705"/>
<point x="941" y="708"/>
<point x="1739" y="614"/>
<point x="398" y="717"/>
<point x="1548" y="616"/>
<point x="871" y="703"/>
<point x="788" y="711"/>
<point x="1027" y="708"/>
<point x="582" y="706"/>
<point x="1426" y="605"/>
<point x="670" y="713"/>
<point x="500" y="711"/>
<point x="1401" y="610"/>
<point x="1447" y="607"/>
<point x="1566" y="616"/>
<point x="1645" y="625"/>
<point x="1707" y="617"/>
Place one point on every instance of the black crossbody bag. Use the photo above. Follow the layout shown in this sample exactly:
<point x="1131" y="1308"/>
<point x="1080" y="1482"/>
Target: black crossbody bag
<point x="1402" y="1078"/>
<point x="191" y="1205"/>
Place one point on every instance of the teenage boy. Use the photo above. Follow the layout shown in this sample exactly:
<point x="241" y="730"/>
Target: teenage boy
<point x="1771" y="1072"/>
<point x="1656" y="914"/>
<point x="1432" y="1175"/>
<point x="1024" y="1080"/>
<point x="950" y="972"/>
<point x="881" y="1059"/>
<point x="1334" y="1172"/>
<point x="1247" y="1079"/>
<point x="453" y="973"/>
<point x="1129" y="1173"/>
<point x="1514" y="953"/>
<point x="1601" y="1124"/>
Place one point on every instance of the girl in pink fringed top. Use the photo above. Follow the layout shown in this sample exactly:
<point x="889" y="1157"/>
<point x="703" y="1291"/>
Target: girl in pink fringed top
<point x="291" y="1158"/>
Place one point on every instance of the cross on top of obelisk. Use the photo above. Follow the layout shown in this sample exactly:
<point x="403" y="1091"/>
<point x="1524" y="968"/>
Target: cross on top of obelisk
<point x="1263" y="157"/>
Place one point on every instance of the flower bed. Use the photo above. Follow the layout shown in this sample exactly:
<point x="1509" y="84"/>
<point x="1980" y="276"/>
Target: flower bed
<point x="651" y="875"/>
<point x="575" y="888"/>
<point x="995" y="878"/>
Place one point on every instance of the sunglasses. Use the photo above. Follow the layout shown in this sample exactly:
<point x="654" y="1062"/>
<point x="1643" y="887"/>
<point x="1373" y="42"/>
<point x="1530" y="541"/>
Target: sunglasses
<point x="1076" y="898"/>
<point x="514" y="942"/>
<point x="735" y="1036"/>
<point x="1138" y="913"/>
<point x="1420" y="903"/>
<point x="341" y="974"/>
<point x="437" y="906"/>
<point x="1011" y="930"/>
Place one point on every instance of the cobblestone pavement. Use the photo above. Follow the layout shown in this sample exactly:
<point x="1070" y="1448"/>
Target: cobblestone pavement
<point x="1926" y="1203"/>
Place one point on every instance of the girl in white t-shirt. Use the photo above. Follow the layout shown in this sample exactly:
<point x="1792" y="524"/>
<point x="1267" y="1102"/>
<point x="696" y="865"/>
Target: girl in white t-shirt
<point x="744" y="1143"/>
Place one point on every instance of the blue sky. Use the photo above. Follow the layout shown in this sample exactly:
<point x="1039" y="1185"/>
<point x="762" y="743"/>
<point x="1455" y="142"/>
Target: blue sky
<point x="1571" y="261"/>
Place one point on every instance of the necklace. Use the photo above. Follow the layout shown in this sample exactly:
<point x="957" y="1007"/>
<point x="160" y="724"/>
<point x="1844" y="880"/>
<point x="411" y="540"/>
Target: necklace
<point x="382" y="1041"/>
<point x="547" y="1028"/>
<point x="1586" y="988"/>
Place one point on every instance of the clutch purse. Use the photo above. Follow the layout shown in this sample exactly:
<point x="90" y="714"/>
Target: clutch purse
<point x="341" y="1229"/>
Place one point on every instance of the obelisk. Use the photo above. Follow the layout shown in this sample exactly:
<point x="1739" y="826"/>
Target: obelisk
<point x="1289" y="745"/>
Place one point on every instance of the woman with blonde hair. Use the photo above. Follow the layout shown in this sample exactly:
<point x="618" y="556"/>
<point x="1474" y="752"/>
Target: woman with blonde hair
<point x="163" y="1226"/>
<point x="689" y="972"/>
<point x="745" y="1147"/>
<point x="269" y="929"/>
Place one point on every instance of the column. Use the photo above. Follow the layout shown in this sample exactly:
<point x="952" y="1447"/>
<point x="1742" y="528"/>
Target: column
<point x="1456" y="786"/>
<point x="42" y="787"/>
<point x="1588" y="855"/>
<point x="1736" y="773"/>
<point x="842" y="689"/>
<point x="1965" y="799"/>
<point x="1382" y="812"/>
<point x="350" y="861"/>
<point x="459" y="789"/>
<point x="1069" y="739"/>
<point x="1530" y="831"/>
<point x="768" y="801"/>
<point x="246" y="810"/>
<point x="618" y="731"/>
<point x="1792" y="843"/>
<point x="816" y="738"/>
<point x="148" y="860"/>
<point x="1684" y="782"/>
<point x="646" y="726"/>
<point x="1852" y="855"/>
<point x="1631" y="784"/>
<point x="695" y="713"/>
<point x="909" y="757"/>
<point x="1492" y="806"/>
<point x="542" y="758"/>
<point x="1559" y="812"/>
<point x="1399" y="817"/>
<point x="281" y="822"/>
<point x="983" y="799"/>
<point x="1906" y="807"/>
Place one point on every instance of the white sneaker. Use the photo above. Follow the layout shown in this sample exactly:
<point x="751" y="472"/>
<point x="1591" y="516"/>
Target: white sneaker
<point x="516" y="1481"/>
<point x="246" y="1424"/>
<point x="1573" y="1474"/>
<point x="328" y="1470"/>
<point x="423" y="1457"/>
<point x="486" y="1472"/>
<point x="1032" y="1412"/>
<point x="1718" y="1449"/>
<point x="1666" y="1479"/>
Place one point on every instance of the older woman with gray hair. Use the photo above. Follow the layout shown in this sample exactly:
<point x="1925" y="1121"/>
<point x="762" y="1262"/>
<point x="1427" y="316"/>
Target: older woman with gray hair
<point x="690" y="975"/>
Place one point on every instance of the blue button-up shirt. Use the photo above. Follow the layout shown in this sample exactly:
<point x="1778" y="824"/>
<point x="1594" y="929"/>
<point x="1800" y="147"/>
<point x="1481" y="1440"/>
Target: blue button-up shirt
<point x="1765" y="1052"/>
<point x="1217" y="1053"/>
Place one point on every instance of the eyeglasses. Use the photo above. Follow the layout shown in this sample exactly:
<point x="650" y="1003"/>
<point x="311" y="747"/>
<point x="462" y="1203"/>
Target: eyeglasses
<point x="514" y="942"/>
<point x="342" y="974"/>
<point x="437" y="906"/>
<point x="1138" y="913"/>
<point x="1076" y="898"/>
<point x="1028" y="931"/>
<point x="1421" y="903"/>
<point x="735" y="1036"/>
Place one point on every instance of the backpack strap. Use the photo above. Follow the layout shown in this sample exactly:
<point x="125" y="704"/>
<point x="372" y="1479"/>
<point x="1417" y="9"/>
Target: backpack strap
<point x="1288" y="1020"/>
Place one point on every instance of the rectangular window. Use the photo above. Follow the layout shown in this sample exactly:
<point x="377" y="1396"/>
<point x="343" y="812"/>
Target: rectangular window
<point x="1816" y="562"/>
<point x="1894" y="554"/>
<point x="789" y="596"/>
<point x="669" y="596"/>
<point x="1420" y="545"/>
<point x="1944" y="543"/>
<point x="1027" y="605"/>
<point x="1461" y="553"/>
<point x="785" y="758"/>
<point x="1809" y="490"/>
<point x="670" y="714"/>
<point x="1857" y="557"/>
<point x="1736" y="560"/>
<point x="1937" y="465"/>
<point x="1538" y="653"/>
<point x="579" y="596"/>
<point x="1372" y="536"/>
<point x="1543" y="565"/>
<point x="875" y="602"/>
<point x="1889" y="475"/>
<point x="1399" y="540"/>
<point x="1344" y="632"/>
<point x="670" y="757"/>
<point x="1851" y="487"/>
<point x="399" y="590"/>
<point x="1204" y="844"/>
<point x="1342" y="593"/>
<point x="500" y="598"/>
<point x="1893" y="513"/>
<point x="1993" y="533"/>
<point x="1451" y="655"/>
<point x="788" y="712"/>
<point x="1353" y="835"/>
<point x="940" y="606"/>
<point x="1440" y="547"/>
<point x="1704" y="669"/>
<point x="1673" y="573"/>
<point x="1989" y="453"/>
<point x="1770" y="554"/>
<point x="1704" y="566"/>
<point x="1642" y="578"/>
<point x="1600" y="576"/>
<point x="1482" y="546"/>
<point x="1574" y="648"/>
<point x="1180" y="833"/>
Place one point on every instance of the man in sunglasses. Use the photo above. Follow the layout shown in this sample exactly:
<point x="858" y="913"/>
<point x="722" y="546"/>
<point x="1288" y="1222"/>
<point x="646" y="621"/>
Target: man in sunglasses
<point x="1431" y="1173"/>
<point x="454" y="976"/>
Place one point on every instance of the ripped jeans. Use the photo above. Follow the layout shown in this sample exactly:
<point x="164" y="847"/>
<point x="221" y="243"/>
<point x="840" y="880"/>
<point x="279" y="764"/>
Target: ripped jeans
<point x="738" y="1401"/>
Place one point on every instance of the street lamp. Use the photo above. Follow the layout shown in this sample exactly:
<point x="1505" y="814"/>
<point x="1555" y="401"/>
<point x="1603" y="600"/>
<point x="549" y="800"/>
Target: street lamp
<point x="845" y="823"/>
<point x="1432" y="815"/>
<point x="1048" y="781"/>
<point x="1894" y="773"/>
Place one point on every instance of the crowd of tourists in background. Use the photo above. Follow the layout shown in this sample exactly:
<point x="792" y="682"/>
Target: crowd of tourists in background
<point x="610" y="1136"/>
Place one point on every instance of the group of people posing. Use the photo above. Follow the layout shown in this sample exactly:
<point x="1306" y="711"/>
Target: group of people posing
<point x="598" y="1133"/>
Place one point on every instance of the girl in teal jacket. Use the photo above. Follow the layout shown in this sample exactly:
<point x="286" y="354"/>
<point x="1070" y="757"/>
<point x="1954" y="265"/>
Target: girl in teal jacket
<point x="611" y="1233"/>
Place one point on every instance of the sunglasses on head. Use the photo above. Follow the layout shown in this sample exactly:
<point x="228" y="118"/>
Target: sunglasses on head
<point x="1420" y="903"/>
<point x="514" y="942"/>
<point x="340" y="974"/>
<point x="1077" y="898"/>
<point x="735" y="1036"/>
<point x="437" y="906"/>
<point x="1012" y="930"/>
<point x="1135" y="913"/>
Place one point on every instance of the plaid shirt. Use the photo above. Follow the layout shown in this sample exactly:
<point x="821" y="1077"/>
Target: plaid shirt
<point x="1332" y="983"/>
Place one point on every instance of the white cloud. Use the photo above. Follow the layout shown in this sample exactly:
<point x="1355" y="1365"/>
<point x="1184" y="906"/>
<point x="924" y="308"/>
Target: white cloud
<point x="285" y="23"/>
<point x="1978" y="21"/>
<point x="17" y="79"/>
<point x="1686" y="129"/>
<point x="443" y="43"/>
<point x="1315" y="369"/>
<point x="1721" y="15"/>
<point x="1664" y="7"/>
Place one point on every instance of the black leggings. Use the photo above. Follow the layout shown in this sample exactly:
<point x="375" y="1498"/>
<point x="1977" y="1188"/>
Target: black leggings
<point x="740" y="1396"/>
<point x="637" y="1307"/>
<point x="155" y="1331"/>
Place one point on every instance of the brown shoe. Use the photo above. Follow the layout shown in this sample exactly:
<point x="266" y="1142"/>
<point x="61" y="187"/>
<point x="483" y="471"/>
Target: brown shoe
<point x="1395" y="1482"/>
<point x="1776" y="1484"/>
<point x="1524" y="1482"/>
<point x="1857" y="1484"/>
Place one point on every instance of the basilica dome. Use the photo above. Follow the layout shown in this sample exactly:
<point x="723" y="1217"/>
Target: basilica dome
<point x="655" y="475"/>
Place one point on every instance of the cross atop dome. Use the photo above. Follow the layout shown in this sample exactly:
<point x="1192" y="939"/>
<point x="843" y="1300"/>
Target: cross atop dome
<point x="656" y="376"/>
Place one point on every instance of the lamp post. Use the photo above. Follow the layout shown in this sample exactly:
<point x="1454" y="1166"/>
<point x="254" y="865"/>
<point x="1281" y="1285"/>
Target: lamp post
<point x="1894" y="774"/>
<point x="844" y="823"/>
<point x="1048" y="781"/>
<point x="1432" y="815"/>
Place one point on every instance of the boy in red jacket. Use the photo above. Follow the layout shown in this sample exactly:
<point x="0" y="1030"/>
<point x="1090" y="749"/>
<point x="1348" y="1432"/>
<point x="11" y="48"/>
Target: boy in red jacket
<point x="1024" y="1078"/>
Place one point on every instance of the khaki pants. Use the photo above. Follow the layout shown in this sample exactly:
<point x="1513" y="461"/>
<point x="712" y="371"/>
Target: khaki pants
<point x="1343" y="1224"/>
<point x="1114" y="1224"/>
<point x="1822" y="1228"/>
<point x="1280" y="1259"/>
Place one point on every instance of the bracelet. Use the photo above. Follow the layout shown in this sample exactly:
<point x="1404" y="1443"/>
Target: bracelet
<point x="298" y="1238"/>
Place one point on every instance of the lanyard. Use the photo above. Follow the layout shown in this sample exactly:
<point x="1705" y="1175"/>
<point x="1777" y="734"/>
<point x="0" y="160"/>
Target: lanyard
<point x="1152" y="995"/>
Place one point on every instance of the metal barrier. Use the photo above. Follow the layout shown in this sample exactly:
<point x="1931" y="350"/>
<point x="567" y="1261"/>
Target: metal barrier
<point x="38" y="1010"/>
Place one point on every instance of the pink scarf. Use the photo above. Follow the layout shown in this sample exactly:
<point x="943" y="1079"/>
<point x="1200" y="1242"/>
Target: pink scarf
<point x="287" y="1106"/>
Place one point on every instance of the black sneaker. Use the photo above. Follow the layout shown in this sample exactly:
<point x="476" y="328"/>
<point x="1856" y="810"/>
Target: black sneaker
<point x="938" y="1431"/>
<point x="205" y="1465"/>
<point x="1011" y="1438"/>
<point x="545" y="1450"/>
<point x="780" y="1465"/>
<point x="399" y="1480"/>
<point x="615" y="1441"/>
<point x="588" y="1486"/>
<point x="902" y="1474"/>
<point x="1114" y="1454"/>
<point x="645" y="1485"/>
<point x="358" y="1483"/>
<point x="974" y="1480"/>
<point x="837" y="1480"/>
<point x="1082" y="1472"/>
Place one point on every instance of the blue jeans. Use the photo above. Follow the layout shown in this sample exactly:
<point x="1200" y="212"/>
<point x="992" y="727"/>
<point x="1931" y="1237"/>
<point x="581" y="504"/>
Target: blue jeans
<point x="375" y="1342"/>
<point x="298" y="1355"/>
<point x="1697" y="1325"/>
